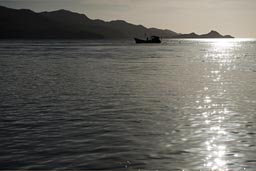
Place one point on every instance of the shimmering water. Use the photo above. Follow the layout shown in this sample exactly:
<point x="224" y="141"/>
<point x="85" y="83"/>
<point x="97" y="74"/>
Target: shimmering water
<point x="101" y="105"/>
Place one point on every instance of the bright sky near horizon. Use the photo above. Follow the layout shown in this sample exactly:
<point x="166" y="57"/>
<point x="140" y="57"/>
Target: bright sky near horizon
<point x="235" y="17"/>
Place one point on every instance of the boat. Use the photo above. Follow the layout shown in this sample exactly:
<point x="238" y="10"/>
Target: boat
<point x="153" y="39"/>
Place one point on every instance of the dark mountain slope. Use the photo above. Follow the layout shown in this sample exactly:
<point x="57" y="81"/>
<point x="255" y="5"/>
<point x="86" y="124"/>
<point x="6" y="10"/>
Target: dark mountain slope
<point x="65" y="24"/>
<point x="112" y="29"/>
<point x="211" y="34"/>
<point x="28" y="24"/>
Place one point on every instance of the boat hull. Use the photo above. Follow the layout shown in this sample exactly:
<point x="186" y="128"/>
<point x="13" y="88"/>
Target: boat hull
<point x="146" y="41"/>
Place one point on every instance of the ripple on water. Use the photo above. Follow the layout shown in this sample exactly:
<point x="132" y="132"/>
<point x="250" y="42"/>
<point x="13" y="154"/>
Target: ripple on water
<point x="83" y="105"/>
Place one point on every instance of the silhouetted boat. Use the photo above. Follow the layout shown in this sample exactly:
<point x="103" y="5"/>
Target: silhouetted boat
<point x="153" y="39"/>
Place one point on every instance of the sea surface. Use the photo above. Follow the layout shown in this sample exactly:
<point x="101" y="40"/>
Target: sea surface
<point x="183" y="105"/>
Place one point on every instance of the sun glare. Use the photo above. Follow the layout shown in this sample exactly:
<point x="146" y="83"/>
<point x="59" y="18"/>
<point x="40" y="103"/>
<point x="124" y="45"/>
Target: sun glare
<point x="223" y="43"/>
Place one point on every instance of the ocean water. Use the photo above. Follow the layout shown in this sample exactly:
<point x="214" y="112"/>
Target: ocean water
<point x="183" y="105"/>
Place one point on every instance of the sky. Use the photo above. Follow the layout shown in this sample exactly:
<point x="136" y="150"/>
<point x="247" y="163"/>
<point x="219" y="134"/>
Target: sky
<point x="235" y="17"/>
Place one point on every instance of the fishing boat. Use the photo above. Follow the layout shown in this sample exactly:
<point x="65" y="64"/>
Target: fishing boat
<point x="152" y="39"/>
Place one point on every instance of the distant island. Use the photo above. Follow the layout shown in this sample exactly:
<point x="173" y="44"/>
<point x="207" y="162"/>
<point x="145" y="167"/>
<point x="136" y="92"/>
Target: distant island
<point x="211" y="34"/>
<point x="63" y="24"/>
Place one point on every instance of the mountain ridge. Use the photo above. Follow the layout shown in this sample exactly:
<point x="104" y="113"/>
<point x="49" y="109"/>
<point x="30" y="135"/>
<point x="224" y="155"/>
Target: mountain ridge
<point x="211" y="34"/>
<point x="65" y="24"/>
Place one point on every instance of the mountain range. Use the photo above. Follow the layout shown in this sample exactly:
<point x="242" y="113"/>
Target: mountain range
<point x="63" y="24"/>
<point x="211" y="34"/>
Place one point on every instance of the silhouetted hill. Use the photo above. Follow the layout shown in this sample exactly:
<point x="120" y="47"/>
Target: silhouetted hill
<point x="65" y="24"/>
<point x="187" y="36"/>
<point x="112" y="29"/>
<point x="211" y="34"/>
<point x="215" y="34"/>
<point x="28" y="24"/>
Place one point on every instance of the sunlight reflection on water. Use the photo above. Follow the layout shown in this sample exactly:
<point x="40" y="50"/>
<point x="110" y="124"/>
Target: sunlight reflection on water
<point x="215" y="159"/>
<point x="99" y="105"/>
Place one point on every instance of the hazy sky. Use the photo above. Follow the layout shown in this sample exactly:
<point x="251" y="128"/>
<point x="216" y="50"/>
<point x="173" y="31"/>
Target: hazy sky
<point x="235" y="17"/>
